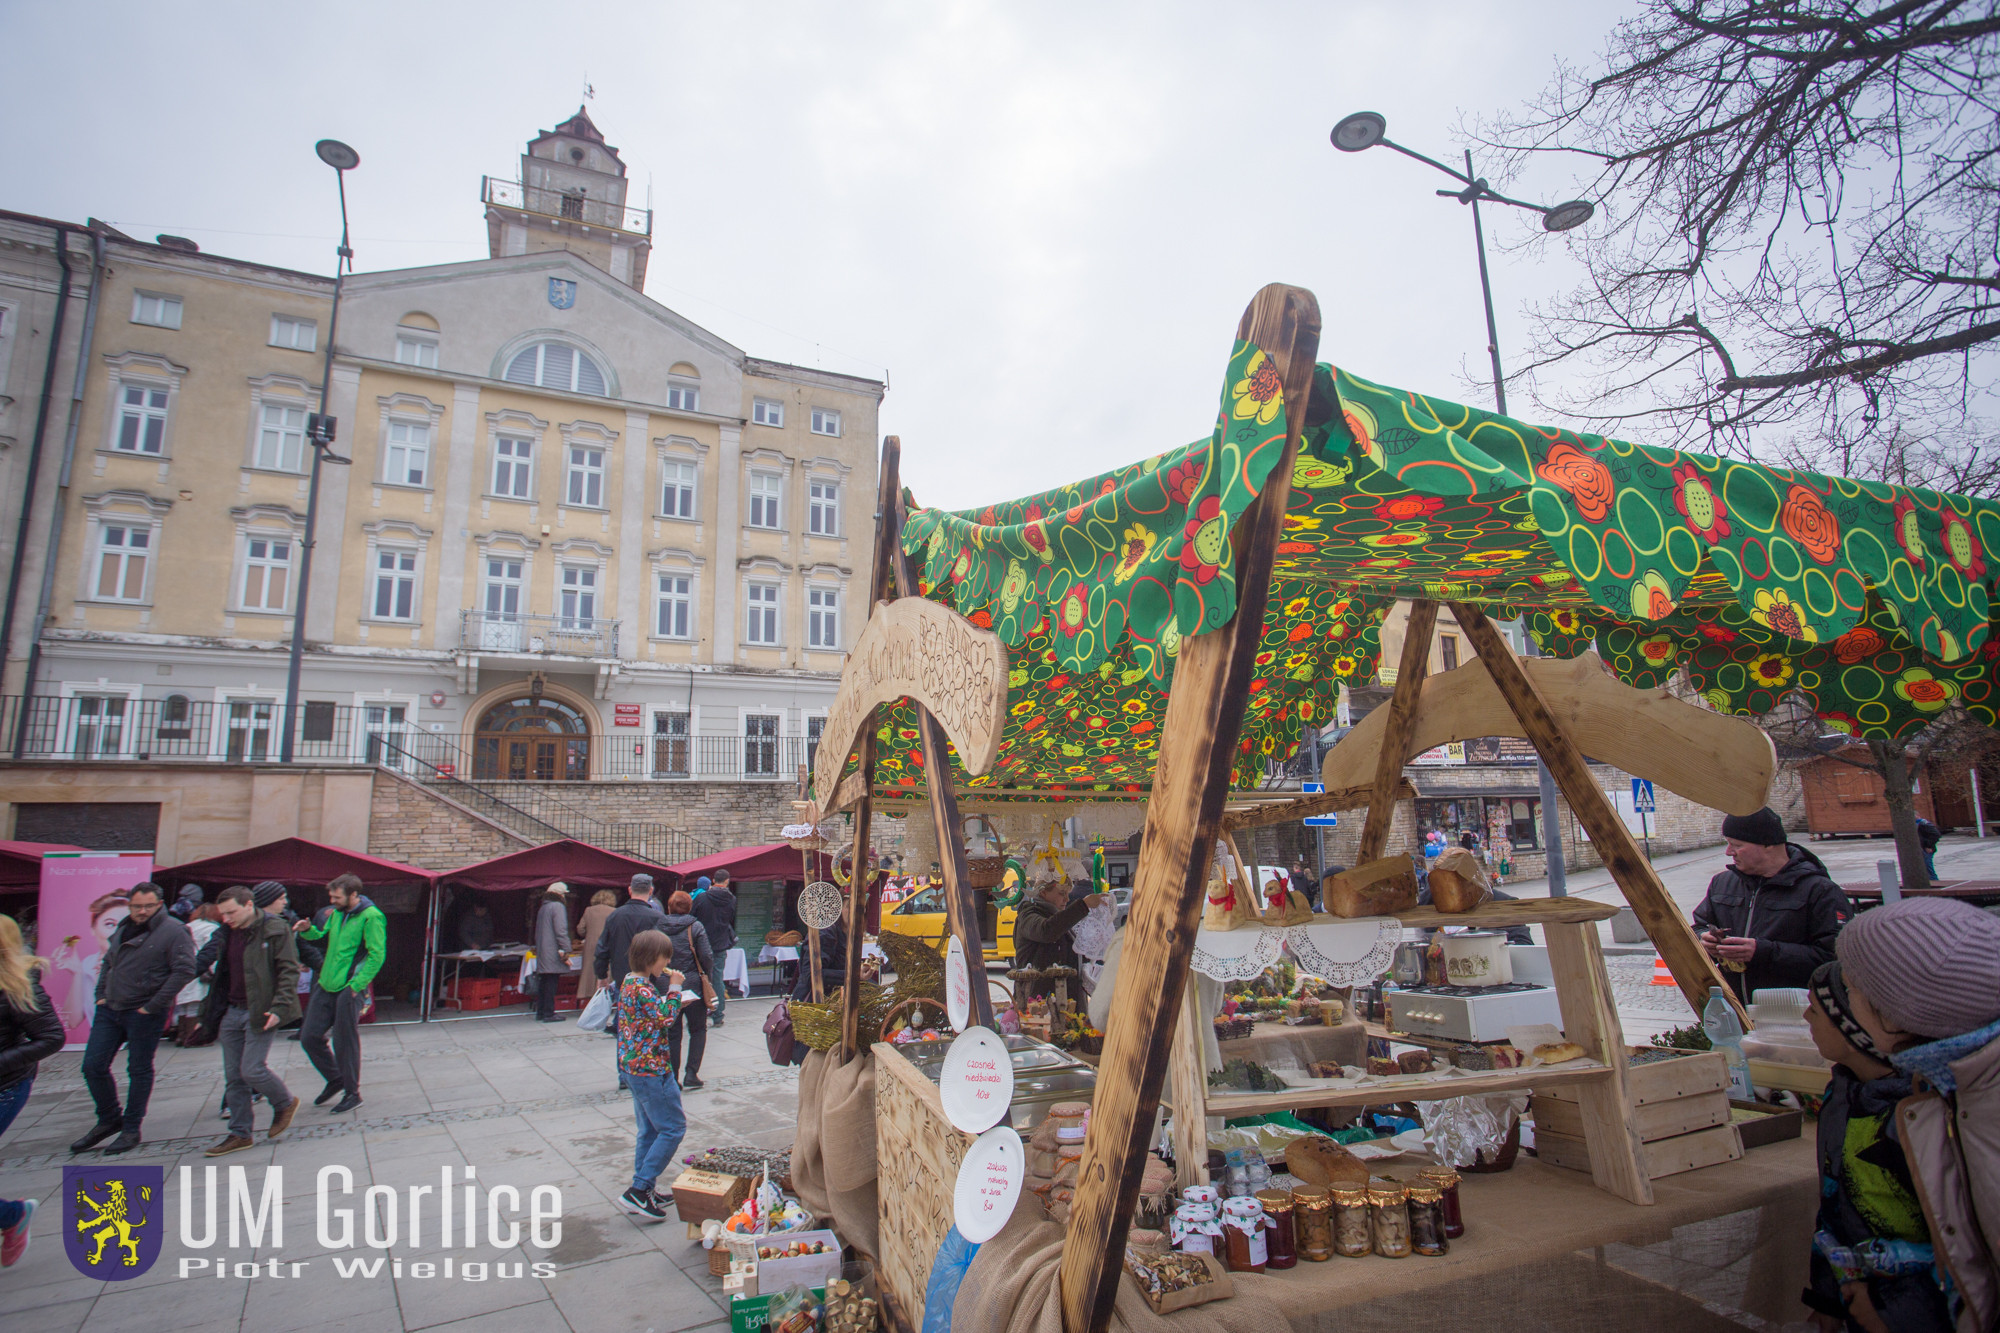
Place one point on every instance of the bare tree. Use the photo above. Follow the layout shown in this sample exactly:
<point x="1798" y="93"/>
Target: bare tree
<point x="1798" y="240"/>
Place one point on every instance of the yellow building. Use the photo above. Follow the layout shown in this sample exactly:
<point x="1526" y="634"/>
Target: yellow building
<point x="580" y="536"/>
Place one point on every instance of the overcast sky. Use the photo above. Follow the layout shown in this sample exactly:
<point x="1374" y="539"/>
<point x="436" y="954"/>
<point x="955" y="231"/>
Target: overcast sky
<point x="1040" y="221"/>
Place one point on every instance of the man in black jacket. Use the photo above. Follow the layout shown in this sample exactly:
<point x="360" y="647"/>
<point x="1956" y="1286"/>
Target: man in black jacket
<point x="614" y="945"/>
<point x="716" y="910"/>
<point x="1772" y="918"/>
<point x="149" y="959"/>
<point x="1041" y="931"/>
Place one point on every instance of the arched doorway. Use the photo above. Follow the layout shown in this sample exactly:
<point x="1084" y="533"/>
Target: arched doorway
<point x="531" y="739"/>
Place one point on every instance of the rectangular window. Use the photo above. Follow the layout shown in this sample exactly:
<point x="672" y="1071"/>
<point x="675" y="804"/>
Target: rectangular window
<point x="670" y="745"/>
<point x="760" y="624"/>
<point x="121" y="563"/>
<point x="815" y="729"/>
<point x="408" y="459"/>
<point x="281" y="438"/>
<point x="267" y="573"/>
<point x="513" y="466"/>
<point x="823" y="509"/>
<point x="825" y="421"/>
<point x="1524" y="824"/>
<point x="249" y="730"/>
<point x="766" y="489"/>
<point x="503" y="589"/>
<point x="142" y="420"/>
<point x="767" y="412"/>
<point x="683" y="398"/>
<point x="579" y="596"/>
<point x="586" y="478"/>
<point x="160" y="311"/>
<point x="100" y="725"/>
<point x="395" y="585"/>
<point x="676" y="606"/>
<point x="1448" y="650"/>
<point x="416" y="352"/>
<point x="677" y="489"/>
<point x="316" y="724"/>
<point x="822" y="617"/>
<point x="385" y="735"/>
<point x="301" y="335"/>
<point x="760" y="745"/>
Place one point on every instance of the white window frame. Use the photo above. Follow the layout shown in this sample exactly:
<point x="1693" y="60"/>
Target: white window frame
<point x="259" y="708"/>
<point x="142" y="370"/>
<point x="264" y="563"/>
<point x="512" y="577"/>
<point x="683" y="396"/>
<point x="826" y="421"/>
<point x="577" y="468"/>
<point x="414" y="447"/>
<point x="134" y="510"/>
<point x="415" y="348"/>
<point x="685" y="598"/>
<point x="767" y="412"/>
<point x="295" y="332"/>
<point x="823" y="618"/>
<point x="134" y="543"/>
<point x="132" y="698"/>
<point x="765" y="596"/>
<point x="400" y="575"/>
<point x="146" y="413"/>
<point x="515" y="455"/>
<point x="680" y="487"/>
<point x="265" y="430"/>
<point x="577" y="356"/>
<point x="775" y="739"/>
<point x="766" y="503"/>
<point x="157" y="310"/>
<point x="578" y="592"/>
<point x="822" y="508"/>
<point x="367" y="748"/>
<point x="666" y="734"/>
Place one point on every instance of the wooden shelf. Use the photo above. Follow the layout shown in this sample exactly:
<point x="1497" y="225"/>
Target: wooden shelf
<point x="1518" y="912"/>
<point x="1382" y="1094"/>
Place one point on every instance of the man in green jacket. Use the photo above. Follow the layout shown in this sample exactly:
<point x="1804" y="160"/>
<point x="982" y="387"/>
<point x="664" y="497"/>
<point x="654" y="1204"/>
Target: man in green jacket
<point x="356" y="934"/>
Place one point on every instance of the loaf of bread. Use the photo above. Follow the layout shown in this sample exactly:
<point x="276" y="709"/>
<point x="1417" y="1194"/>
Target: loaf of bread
<point x="1415" y="1062"/>
<point x="1379" y="888"/>
<point x="1318" y="1160"/>
<point x="1458" y="881"/>
<point x="1558" y="1052"/>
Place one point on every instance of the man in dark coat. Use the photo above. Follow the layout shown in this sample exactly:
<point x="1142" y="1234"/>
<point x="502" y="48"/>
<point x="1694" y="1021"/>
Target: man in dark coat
<point x="715" y="908"/>
<point x="1041" y="931"/>
<point x="1772" y="917"/>
<point x="614" y="945"/>
<point x="149" y="959"/>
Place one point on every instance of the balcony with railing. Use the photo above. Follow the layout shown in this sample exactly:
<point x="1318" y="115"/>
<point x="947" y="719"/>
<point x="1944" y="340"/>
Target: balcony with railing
<point x="575" y="206"/>
<point x="511" y="632"/>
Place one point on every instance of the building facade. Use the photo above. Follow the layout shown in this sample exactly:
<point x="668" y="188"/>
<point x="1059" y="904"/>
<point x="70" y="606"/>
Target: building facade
<point x="579" y="538"/>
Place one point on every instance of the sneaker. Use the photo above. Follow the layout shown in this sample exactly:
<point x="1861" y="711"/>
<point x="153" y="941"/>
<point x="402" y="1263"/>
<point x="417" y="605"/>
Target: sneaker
<point x="234" y="1143"/>
<point x="664" y="1198"/>
<point x="282" y="1121"/>
<point x="99" y="1132"/>
<point x="127" y="1140"/>
<point x="347" y="1103"/>
<point x="328" y="1093"/>
<point x="715" y="1022"/>
<point x="642" y="1205"/>
<point x="14" y="1240"/>
<point x="691" y="1083"/>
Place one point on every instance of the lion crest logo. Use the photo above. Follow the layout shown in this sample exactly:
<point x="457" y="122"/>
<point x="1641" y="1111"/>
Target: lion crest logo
<point x="111" y="1219"/>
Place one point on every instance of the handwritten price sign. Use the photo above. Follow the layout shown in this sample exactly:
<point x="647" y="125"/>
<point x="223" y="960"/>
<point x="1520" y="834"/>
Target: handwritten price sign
<point x="989" y="1183"/>
<point x="976" y="1084"/>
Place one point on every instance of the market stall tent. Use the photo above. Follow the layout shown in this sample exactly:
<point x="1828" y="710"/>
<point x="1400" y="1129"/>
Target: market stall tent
<point x="777" y="860"/>
<point x="582" y="866"/>
<point x="21" y="864"/>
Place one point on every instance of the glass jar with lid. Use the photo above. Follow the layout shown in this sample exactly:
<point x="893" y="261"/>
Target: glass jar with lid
<point x="1245" y="1249"/>
<point x="1353" y="1230"/>
<point x="1312" y="1222"/>
<point x="1389" y="1209"/>
<point x="1280" y="1237"/>
<point x="1194" y="1228"/>
<point x="1447" y="1182"/>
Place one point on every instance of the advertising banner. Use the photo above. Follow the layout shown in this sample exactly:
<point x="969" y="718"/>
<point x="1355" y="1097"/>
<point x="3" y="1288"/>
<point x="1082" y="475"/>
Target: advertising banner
<point x="82" y="903"/>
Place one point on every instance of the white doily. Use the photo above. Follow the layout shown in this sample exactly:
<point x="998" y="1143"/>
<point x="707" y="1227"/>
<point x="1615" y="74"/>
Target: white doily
<point x="799" y="831"/>
<point x="1091" y="936"/>
<point x="1345" y="953"/>
<point x="1236" y="955"/>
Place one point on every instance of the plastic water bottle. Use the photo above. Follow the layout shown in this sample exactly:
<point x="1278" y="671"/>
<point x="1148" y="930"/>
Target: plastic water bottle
<point x="1725" y="1034"/>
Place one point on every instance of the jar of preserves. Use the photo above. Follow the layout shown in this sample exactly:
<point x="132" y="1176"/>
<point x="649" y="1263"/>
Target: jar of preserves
<point x="1312" y="1222"/>
<point x="1280" y="1237"/>
<point x="1353" y="1230"/>
<point x="1389" y="1209"/>
<point x="1194" y="1228"/>
<point x="1245" y="1249"/>
<point x="1446" y="1180"/>
<point x="1427" y="1219"/>
<point x="1202" y="1194"/>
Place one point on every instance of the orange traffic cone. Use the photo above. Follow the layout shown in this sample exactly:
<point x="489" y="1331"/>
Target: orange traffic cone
<point x="1662" y="977"/>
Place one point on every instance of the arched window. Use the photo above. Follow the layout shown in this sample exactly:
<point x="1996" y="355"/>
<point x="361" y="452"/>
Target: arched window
<point x="556" y="366"/>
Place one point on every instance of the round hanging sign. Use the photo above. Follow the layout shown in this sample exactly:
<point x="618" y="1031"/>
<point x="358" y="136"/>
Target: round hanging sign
<point x="989" y="1183"/>
<point x="976" y="1084"/>
<point x="819" y="905"/>
<point x="957" y="985"/>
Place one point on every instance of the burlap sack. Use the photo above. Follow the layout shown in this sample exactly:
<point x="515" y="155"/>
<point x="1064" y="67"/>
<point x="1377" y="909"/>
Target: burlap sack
<point x="833" y="1156"/>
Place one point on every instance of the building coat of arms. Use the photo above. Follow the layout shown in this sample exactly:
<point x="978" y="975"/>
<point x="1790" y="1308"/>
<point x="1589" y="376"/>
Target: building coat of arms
<point x="562" y="293"/>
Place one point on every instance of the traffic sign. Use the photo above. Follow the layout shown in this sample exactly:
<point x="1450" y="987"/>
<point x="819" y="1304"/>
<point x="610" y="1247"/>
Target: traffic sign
<point x="1317" y="821"/>
<point x="1642" y="795"/>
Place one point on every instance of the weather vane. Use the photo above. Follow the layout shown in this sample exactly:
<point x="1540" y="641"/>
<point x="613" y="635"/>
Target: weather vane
<point x="589" y="88"/>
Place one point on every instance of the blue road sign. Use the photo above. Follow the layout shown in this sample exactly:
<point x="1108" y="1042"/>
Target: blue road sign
<point x="1317" y="821"/>
<point x="1642" y="795"/>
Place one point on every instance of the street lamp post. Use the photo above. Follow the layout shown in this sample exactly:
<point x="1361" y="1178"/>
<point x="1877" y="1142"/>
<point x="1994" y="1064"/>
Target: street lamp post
<point x="1365" y="129"/>
<point x="321" y="427"/>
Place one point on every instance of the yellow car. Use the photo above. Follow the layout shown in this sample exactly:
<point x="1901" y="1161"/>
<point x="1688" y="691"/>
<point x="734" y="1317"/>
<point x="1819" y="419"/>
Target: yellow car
<point x="922" y="914"/>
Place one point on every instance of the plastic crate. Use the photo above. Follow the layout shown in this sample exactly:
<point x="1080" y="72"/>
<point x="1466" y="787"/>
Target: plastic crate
<point x="509" y="995"/>
<point x="568" y="1002"/>
<point x="473" y="993"/>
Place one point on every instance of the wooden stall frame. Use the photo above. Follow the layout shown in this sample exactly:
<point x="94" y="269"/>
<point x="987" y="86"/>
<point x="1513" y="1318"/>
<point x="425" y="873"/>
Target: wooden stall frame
<point x="1409" y="689"/>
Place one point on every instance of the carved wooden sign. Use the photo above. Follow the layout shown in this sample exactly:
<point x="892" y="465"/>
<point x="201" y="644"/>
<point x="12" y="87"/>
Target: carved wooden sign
<point x="914" y="648"/>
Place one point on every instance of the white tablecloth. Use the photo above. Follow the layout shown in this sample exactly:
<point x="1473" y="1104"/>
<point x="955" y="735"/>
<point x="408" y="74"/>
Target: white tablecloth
<point x="778" y="953"/>
<point x="735" y="968"/>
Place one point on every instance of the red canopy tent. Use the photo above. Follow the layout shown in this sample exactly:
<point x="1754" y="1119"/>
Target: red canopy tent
<point x="577" y="864"/>
<point x="777" y="860"/>
<point x="21" y="864"/>
<point x="294" y="862"/>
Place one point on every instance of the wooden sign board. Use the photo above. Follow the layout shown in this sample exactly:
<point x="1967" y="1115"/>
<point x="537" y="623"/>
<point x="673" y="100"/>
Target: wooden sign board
<point x="914" y="648"/>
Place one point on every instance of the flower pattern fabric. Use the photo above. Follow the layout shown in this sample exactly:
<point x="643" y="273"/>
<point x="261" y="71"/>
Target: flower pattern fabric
<point x="643" y="1016"/>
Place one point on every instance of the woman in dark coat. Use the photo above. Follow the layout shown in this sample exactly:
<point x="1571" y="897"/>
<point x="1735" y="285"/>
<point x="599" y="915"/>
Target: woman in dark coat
<point x="694" y="960"/>
<point x="29" y="1031"/>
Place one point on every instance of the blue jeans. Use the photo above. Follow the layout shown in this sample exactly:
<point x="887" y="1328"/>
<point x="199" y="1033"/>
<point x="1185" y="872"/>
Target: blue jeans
<point x="656" y="1102"/>
<point x="110" y="1029"/>
<point x="12" y="1099"/>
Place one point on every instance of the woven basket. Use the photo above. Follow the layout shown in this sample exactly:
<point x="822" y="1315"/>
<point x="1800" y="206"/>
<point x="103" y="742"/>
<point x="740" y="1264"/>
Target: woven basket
<point x="818" y="1025"/>
<point x="919" y="968"/>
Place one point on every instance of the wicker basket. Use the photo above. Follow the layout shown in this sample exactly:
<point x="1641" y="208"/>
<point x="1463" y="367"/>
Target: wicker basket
<point x="818" y="1025"/>
<point x="986" y="872"/>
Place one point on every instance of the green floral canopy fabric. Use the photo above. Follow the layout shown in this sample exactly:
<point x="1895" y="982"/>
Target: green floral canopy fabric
<point x="1874" y="600"/>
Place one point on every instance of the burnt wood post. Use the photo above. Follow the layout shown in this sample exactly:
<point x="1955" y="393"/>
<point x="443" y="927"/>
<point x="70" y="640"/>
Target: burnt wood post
<point x="1190" y="783"/>
<point x="1415" y="665"/>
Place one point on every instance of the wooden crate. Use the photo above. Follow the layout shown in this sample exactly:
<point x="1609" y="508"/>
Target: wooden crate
<point x="1777" y="1076"/>
<point x="1658" y="1120"/>
<point x="1664" y="1157"/>
<point x="1759" y="1123"/>
<point x="1689" y="1075"/>
<point x="702" y="1195"/>
<point x="918" y="1152"/>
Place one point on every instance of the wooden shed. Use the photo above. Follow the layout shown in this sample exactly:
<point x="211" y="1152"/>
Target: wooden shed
<point x="1843" y="799"/>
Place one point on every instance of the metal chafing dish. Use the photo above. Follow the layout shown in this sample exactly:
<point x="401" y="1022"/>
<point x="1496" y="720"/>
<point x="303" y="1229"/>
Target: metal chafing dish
<point x="1043" y="1076"/>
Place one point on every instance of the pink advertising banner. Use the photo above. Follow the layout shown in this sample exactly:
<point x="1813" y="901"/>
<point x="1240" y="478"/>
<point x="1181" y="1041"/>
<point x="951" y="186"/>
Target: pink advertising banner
<point x="82" y="903"/>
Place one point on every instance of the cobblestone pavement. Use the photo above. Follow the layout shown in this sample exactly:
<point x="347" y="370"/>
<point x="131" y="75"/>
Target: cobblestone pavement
<point x="522" y="1103"/>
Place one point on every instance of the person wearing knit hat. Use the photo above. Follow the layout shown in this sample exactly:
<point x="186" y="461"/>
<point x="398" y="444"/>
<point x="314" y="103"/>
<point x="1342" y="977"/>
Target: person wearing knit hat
<point x="1773" y="915"/>
<point x="269" y="897"/>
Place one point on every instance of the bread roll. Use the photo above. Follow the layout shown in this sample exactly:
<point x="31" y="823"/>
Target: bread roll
<point x="1458" y="881"/>
<point x="1559" y="1052"/>
<point x="1318" y="1160"/>
<point x="1379" y="888"/>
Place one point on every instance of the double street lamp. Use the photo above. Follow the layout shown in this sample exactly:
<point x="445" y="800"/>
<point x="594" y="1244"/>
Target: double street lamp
<point x="1365" y="129"/>
<point x="320" y="430"/>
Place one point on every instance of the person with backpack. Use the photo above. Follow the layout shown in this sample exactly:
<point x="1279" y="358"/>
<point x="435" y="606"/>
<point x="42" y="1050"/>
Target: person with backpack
<point x="356" y="935"/>
<point x="694" y="959"/>
<point x="715" y="908"/>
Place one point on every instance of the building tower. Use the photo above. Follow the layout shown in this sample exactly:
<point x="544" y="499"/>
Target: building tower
<point x="571" y="196"/>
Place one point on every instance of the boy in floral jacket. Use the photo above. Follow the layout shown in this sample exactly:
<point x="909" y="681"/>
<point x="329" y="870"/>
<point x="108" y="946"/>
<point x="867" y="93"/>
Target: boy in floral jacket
<point x="645" y="1011"/>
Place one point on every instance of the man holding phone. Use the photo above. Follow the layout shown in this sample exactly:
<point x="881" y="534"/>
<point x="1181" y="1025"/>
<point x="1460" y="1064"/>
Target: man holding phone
<point x="1772" y="917"/>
